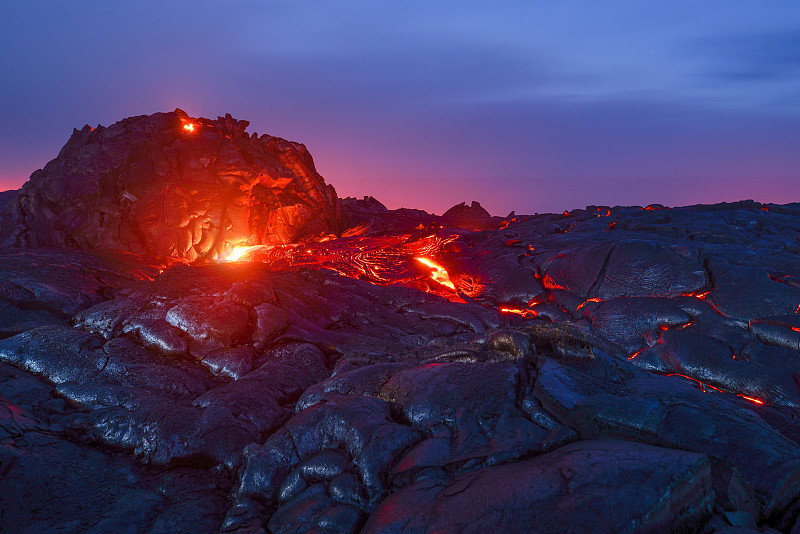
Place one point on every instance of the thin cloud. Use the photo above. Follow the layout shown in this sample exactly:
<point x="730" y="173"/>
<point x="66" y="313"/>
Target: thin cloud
<point x="760" y="57"/>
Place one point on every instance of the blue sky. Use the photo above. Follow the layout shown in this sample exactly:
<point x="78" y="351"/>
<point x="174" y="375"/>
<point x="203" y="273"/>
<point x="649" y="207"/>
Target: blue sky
<point x="526" y="106"/>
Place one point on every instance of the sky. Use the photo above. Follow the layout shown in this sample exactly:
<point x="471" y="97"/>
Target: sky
<point x="528" y="105"/>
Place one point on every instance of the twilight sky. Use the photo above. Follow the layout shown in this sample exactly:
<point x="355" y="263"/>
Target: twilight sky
<point x="523" y="105"/>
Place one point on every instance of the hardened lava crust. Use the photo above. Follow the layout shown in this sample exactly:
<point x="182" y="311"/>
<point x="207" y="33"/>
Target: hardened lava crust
<point x="611" y="369"/>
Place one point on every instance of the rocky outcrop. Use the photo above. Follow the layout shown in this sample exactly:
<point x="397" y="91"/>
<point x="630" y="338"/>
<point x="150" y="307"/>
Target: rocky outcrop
<point x="171" y="185"/>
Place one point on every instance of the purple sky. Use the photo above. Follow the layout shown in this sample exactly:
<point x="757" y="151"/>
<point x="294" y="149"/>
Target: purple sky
<point x="532" y="106"/>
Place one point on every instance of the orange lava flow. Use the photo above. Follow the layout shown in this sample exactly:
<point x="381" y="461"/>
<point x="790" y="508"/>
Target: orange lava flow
<point x="390" y="260"/>
<point x="438" y="273"/>
<point x="549" y="283"/>
<point x="593" y="299"/>
<point x="703" y="387"/>
<point x="382" y="260"/>
<point x="396" y="259"/>
<point x="635" y="354"/>
<point x="527" y="313"/>
<point x="751" y="399"/>
<point x="237" y="253"/>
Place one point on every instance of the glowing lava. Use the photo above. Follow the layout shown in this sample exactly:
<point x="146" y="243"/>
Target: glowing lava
<point x="700" y="296"/>
<point x="593" y="299"/>
<point x="751" y="399"/>
<point x="703" y="387"/>
<point x="527" y="313"/>
<point x="635" y="354"/>
<point x="388" y="260"/>
<point x="188" y="127"/>
<point x="384" y="260"/>
<point x="438" y="273"/>
<point x="236" y="253"/>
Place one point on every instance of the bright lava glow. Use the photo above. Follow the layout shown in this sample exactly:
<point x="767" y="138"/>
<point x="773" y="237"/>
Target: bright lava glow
<point x="188" y="127"/>
<point x="527" y="313"/>
<point x="438" y="273"/>
<point x="751" y="399"/>
<point x="236" y="253"/>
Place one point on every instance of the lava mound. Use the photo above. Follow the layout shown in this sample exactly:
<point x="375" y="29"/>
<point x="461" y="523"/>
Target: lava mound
<point x="171" y="185"/>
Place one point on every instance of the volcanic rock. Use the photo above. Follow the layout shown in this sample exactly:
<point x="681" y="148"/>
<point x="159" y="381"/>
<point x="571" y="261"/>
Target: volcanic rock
<point x="171" y="185"/>
<point x="569" y="490"/>
<point x="614" y="369"/>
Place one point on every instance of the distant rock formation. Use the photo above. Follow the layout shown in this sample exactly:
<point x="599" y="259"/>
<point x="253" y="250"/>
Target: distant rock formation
<point x="473" y="217"/>
<point x="367" y="216"/>
<point x="171" y="185"/>
<point x="474" y="210"/>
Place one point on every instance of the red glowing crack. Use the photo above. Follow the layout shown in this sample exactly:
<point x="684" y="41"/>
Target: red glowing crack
<point x="703" y="387"/>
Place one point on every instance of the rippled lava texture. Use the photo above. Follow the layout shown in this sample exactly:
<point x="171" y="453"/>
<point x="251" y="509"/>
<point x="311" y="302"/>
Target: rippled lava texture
<point x="605" y="370"/>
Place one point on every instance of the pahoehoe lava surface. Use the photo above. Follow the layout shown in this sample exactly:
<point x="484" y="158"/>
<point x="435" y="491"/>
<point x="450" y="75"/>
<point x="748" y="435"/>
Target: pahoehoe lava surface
<point x="613" y="369"/>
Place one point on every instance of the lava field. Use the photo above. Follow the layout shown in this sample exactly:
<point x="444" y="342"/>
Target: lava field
<point x="198" y="335"/>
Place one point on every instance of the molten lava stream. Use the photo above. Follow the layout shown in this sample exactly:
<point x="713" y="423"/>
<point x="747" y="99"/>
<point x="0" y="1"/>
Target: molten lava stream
<point x="438" y="273"/>
<point x="384" y="260"/>
<point x="527" y="313"/>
